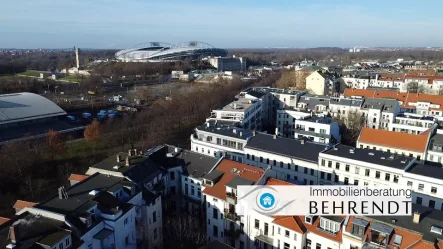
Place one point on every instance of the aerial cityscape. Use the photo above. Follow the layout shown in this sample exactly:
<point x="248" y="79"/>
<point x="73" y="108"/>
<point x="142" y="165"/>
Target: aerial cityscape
<point x="138" y="125"/>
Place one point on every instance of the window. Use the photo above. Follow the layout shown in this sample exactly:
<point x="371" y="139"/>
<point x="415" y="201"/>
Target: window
<point x="186" y="189"/>
<point x="336" y="178"/>
<point x="377" y="174"/>
<point x="357" y="170"/>
<point x="154" y="216"/>
<point x="192" y="190"/>
<point x="329" y="164"/>
<point x="409" y="184"/>
<point x="242" y="228"/>
<point x="436" y="230"/>
<point x="323" y="162"/>
<point x="60" y="246"/>
<point x="257" y="224"/>
<point x="289" y="166"/>
<point x="155" y="233"/>
<point x="312" y="171"/>
<point x="281" y="164"/>
<point x="434" y="190"/>
<point x="367" y="171"/>
<point x="347" y="168"/>
<point x="306" y="170"/>
<point x="356" y="182"/>
<point x="387" y="177"/>
<point x="267" y="160"/>
<point x="242" y="245"/>
<point x="328" y="176"/>
<point x="274" y="162"/>
<point x="346" y="181"/>
<point x="396" y="178"/>
<point x="253" y="158"/>
<point x="261" y="159"/>
<point x="287" y="233"/>
<point x="308" y="244"/>
<point x="125" y="222"/>
<point x="358" y="230"/>
<point x="329" y="225"/>
<point x="214" y="213"/>
<point x="285" y="246"/>
<point x="419" y="200"/>
<point x="247" y="155"/>
<point x="172" y="175"/>
<point x="317" y="246"/>
<point x="337" y="165"/>
<point x="421" y="186"/>
<point x="209" y="221"/>
<point x="322" y="175"/>
<point x="215" y="231"/>
<point x="431" y="204"/>
<point x="67" y="242"/>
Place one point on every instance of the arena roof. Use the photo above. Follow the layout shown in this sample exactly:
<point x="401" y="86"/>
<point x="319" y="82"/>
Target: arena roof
<point x="26" y="106"/>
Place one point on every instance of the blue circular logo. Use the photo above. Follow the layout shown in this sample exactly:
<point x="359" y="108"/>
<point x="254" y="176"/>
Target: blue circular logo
<point x="267" y="201"/>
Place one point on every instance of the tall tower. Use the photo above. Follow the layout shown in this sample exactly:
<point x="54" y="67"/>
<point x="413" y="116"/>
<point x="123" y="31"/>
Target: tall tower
<point x="76" y="58"/>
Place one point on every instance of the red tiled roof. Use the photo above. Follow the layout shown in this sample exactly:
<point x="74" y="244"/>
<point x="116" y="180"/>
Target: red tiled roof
<point x="392" y="139"/>
<point x="246" y="171"/>
<point x="77" y="177"/>
<point x="405" y="98"/>
<point x="3" y="220"/>
<point x="291" y="222"/>
<point x="422" y="245"/>
<point x="273" y="182"/>
<point x="19" y="204"/>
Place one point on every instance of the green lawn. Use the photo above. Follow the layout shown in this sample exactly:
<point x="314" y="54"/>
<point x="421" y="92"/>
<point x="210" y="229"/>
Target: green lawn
<point x="30" y="73"/>
<point x="72" y="78"/>
<point x="6" y="77"/>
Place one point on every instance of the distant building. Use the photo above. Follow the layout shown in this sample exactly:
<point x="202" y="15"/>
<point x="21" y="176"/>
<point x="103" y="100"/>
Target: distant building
<point x="222" y="64"/>
<point x="322" y="83"/>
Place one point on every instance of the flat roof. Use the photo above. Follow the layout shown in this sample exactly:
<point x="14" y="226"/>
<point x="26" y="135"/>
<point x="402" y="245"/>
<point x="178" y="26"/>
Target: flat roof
<point x="226" y="130"/>
<point x="369" y="156"/>
<point x="429" y="169"/>
<point x="238" y="105"/>
<point x="308" y="151"/>
<point x="26" y="106"/>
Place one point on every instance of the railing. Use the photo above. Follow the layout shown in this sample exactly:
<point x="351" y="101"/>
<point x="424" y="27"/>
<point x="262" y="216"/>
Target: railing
<point x="231" y="215"/>
<point x="233" y="233"/>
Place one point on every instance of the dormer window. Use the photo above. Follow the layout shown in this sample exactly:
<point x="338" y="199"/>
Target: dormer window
<point x="89" y="222"/>
<point x="309" y="219"/>
<point x="437" y="230"/>
<point x="329" y="225"/>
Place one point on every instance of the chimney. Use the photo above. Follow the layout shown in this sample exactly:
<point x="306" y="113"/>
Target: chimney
<point x="416" y="217"/>
<point x="140" y="152"/>
<point x="60" y="193"/>
<point x="275" y="136"/>
<point x="13" y="234"/>
<point x="302" y="141"/>
<point x="119" y="158"/>
<point x="276" y="131"/>
<point x="77" y="61"/>
<point x="129" y="152"/>
<point x="128" y="162"/>
<point x="135" y="152"/>
<point x="253" y="133"/>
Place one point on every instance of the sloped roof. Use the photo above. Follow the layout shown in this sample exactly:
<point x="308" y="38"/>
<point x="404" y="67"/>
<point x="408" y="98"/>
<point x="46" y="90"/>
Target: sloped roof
<point x="19" y="204"/>
<point x="77" y="177"/>
<point x="244" y="171"/>
<point x="26" y="106"/>
<point x="392" y="139"/>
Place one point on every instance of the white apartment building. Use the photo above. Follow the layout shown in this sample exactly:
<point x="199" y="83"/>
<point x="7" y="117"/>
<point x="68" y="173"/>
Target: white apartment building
<point x="359" y="81"/>
<point x="214" y="140"/>
<point x="314" y="103"/>
<point x="291" y="159"/>
<point x="380" y="113"/>
<point x="317" y="129"/>
<point x="412" y="123"/>
<point x="286" y="119"/>
<point x="435" y="147"/>
<point x="220" y="195"/>
<point x="342" y="107"/>
<point x="243" y="112"/>
<point x="228" y="63"/>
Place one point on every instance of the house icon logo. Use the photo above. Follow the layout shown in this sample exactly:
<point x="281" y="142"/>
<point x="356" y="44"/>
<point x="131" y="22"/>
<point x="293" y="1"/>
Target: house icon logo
<point x="267" y="201"/>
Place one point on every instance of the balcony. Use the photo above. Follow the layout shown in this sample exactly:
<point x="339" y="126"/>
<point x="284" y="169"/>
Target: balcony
<point x="374" y="246"/>
<point x="233" y="233"/>
<point x="231" y="198"/>
<point x="231" y="215"/>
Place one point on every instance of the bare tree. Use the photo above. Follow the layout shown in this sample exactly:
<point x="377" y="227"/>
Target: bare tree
<point x="183" y="232"/>
<point x="412" y="87"/>
<point x="292" y="79"/>
<point x="351" y="126"/>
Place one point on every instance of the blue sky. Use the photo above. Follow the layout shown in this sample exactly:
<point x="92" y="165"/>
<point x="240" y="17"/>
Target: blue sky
<point x="226" y="23"/>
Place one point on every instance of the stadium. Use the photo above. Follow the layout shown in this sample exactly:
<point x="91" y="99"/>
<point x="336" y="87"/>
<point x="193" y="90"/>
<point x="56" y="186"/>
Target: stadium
<point x="159" y="51"/>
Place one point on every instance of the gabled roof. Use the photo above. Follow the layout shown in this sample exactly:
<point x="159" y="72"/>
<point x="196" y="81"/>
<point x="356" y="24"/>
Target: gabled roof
<point x="244" y="171"/>
<point x="392" y="139"/>
<point x="3" y="220"/>
<point x="19" y="204"/>
<point x="291" y="222"/>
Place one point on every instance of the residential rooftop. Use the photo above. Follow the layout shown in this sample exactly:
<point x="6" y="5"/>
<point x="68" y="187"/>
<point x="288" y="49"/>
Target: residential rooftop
<point x="370" y="156"/>
<point x="428" y="169"/>
<point x="397" y="140"/>
<point x="225" y="130"/>
<point x="295" y="148"/>
<point x="238" y="105"/>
